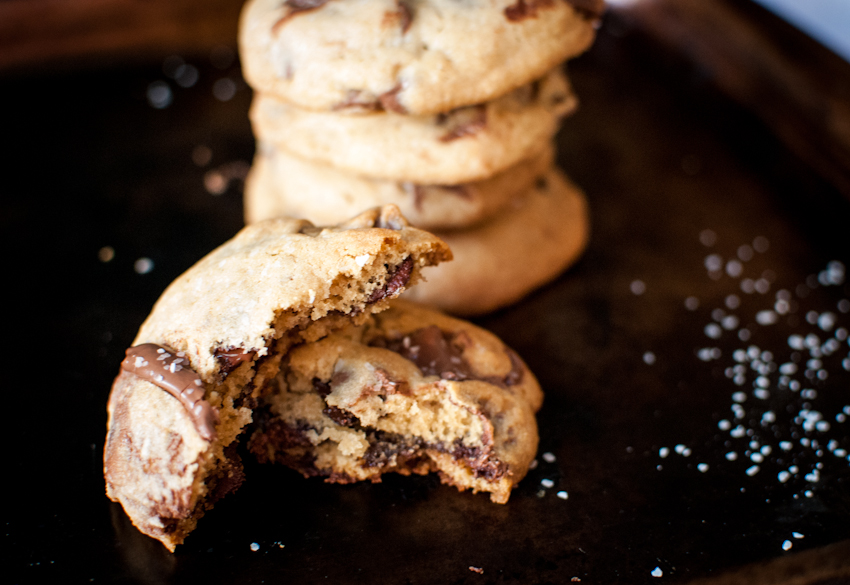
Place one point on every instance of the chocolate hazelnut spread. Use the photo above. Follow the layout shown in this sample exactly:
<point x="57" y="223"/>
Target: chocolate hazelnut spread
<point x="170" y="371"/>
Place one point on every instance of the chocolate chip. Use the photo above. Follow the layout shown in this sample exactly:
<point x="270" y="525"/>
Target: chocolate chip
<point x="463" y="122"/>
<point x="396" y="281"/>
<point x="389" y="100"/>
<point x="526" y="9"/>
<point x="405" y="14"/>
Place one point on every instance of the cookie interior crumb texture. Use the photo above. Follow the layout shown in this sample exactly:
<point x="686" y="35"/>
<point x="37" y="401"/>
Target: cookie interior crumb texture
<point x="410" y="391"/>
<point x="231" y="317"/>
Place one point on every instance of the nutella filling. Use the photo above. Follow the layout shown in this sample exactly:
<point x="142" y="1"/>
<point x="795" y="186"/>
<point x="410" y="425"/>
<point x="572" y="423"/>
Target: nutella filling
<point x="170" y="371"/>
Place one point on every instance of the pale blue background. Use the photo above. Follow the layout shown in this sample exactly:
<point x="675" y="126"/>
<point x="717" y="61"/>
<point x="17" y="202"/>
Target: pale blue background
<point x="826" y="20"/>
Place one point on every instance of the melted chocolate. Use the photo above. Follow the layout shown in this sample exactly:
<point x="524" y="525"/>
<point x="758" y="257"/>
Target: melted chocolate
<point x="438" y="353"/>
<point x="231" y="358"/>
<point x="396" y="281"/>
<point x="170" y="371"/>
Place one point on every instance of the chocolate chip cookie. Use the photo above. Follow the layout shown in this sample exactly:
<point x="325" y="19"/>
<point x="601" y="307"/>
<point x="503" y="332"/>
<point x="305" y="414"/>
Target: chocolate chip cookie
<point x="213" y="343"/>
<point x="458" y="146"/>
<point x="280" y="184"/>
<point x="524" y="246"/>
<point x="409" y="391"/>
<point x="408" y="56"/>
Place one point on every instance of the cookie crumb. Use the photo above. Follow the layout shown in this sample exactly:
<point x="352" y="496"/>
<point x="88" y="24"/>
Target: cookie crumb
<point x="478" y="570"/>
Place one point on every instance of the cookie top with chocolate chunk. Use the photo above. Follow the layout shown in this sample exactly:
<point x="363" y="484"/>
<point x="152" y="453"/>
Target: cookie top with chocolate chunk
<point x="201" y="360"/>
<point x="407" y="56"/>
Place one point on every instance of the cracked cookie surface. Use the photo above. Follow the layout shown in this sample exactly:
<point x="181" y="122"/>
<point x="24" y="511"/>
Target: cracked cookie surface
<point x="408" y="56"/>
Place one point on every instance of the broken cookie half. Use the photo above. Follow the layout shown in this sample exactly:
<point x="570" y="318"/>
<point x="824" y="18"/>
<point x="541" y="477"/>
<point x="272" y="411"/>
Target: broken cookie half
<point x="212" y="347"/>
<point x="410" y="391"/>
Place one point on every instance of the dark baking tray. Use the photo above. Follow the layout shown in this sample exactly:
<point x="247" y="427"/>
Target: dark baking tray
<point x="677" y="176"/>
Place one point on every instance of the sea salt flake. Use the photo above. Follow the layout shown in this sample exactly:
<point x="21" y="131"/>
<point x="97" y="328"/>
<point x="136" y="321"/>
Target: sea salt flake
<point x="797" y="535"/>
<point x="787" y="545"/>
<point x="703" y="467"/>
<point x="783" y="476"/>
<point x="548" y="457"/>
<point x="255" y="547"/>
<point x="547" y="483"/>
<point x="563" y="495"/>
<point x="751" y="471"/>
<point x="724" y="425"/>
<point x="731" y="456"/>
<point x="657" y="572"/>
<point x="766" y="317"/>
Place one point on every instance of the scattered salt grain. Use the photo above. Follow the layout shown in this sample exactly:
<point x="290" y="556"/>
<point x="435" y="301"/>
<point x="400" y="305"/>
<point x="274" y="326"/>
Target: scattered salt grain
<point x="663" y="452"/>
<point x="761" y="244"/>
<point x="224" y="89"/>
<point x="797" y="535"/>
<point x="657" y="572"/>
<point x="638" y="287"/>
<point x="255" y="547"/>
<point x="724" y="425"/>
<point x="159" y="95"/>
<point x="734" y="268"/>
<point x="703" y="467"/>
<point x="692" y="303"/>
<point x="563" y="495"/>
<point x="707" y="238"/>
<point x="733" y="301"/>
<point x="713" y="330"/>
<point x="547" y="483"/>
<point x="751" y="471"/>
<point x="787" y="545"/>
<point x="143" y="265"/>
<point x="766" y="317"/>
<point x="548" y="457"/>
<point x="739" y="396"/>
<point x="713" y="263"/>
<point x="731" y="456"/>
<point x="783" y="476"/>
<point x="649" y="358"/>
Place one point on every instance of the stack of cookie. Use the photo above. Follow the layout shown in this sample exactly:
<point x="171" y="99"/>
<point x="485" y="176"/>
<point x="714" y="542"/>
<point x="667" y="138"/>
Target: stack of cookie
<point x="444" y="108"/>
